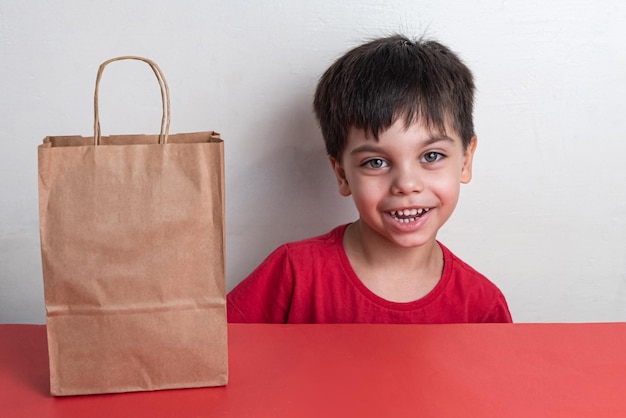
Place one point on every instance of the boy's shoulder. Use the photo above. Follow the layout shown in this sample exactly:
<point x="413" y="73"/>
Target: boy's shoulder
<point x="460" y="281"/>
<point x="465" y="278"/>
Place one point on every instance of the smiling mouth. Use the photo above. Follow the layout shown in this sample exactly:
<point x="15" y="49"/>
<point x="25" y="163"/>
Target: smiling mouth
<point x="408" y="215"/>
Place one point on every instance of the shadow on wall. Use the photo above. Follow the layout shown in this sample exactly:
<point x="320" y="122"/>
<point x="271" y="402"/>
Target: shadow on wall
<point x="291" y="191"/>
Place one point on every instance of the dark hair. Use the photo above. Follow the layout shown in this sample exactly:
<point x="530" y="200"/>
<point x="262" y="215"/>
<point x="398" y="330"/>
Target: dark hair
<point x="373" y="85"/>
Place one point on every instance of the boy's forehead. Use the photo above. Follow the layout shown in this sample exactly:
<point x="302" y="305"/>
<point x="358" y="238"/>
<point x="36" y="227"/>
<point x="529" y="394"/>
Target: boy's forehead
<point x="429" y="129"/>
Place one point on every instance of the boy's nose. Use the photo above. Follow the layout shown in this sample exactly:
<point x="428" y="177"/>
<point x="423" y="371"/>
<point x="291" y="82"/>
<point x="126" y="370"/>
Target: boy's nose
<point x="407" y="180"/>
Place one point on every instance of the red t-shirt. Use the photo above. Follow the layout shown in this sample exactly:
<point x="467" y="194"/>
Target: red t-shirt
<point x="311" y="281"/>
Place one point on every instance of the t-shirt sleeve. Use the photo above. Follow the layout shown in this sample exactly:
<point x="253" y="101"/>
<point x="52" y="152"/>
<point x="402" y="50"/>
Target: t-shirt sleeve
<point x="500" y="312"/>
<point x="265" y="295"/>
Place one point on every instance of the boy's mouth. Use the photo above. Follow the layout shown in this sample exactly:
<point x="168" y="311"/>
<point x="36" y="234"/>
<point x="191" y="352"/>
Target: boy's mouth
<point x="408" y="215"/>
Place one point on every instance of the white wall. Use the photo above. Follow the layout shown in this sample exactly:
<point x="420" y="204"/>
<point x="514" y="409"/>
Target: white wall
<point x="544" y="218"/>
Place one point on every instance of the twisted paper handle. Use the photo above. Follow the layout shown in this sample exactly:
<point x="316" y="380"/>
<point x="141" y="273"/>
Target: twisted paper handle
<point x="165" y="98"/>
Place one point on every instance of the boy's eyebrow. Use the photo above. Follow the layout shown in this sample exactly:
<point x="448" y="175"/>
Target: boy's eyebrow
<point x="365" y="148"/>
<point x="429" y="141"/>
<point x="437" y="138"/>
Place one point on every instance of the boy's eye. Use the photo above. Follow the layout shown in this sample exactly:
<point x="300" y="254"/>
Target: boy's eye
<point x="431" y="157"/>
<point x="375" y="163"/>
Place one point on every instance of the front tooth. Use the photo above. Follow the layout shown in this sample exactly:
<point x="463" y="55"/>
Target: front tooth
<point x="406" y="212"/>
<point x="413" y="212"/>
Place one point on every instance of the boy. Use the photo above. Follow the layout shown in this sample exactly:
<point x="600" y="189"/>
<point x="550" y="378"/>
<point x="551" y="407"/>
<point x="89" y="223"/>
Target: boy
<point x="396" y="116"/>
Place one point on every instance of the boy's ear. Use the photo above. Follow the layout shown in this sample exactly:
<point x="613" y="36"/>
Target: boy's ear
<point x="340" y="174"/>
<point x="468" y="158"/>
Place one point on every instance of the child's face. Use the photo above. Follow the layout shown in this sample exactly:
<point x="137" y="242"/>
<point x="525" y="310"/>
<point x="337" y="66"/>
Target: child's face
<point x="405" y="185"/>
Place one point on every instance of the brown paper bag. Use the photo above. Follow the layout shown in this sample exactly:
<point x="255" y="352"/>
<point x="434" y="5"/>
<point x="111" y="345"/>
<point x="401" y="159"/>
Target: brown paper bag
<point x="132" y="244"/>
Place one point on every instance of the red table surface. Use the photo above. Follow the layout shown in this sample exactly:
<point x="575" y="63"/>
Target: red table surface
<point x="488" y="370"/>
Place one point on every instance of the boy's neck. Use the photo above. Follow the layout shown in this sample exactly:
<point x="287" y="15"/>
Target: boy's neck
<point x="394" y="273"/>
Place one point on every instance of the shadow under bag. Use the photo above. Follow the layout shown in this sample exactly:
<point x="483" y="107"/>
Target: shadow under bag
<point x="132" y="245"/>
